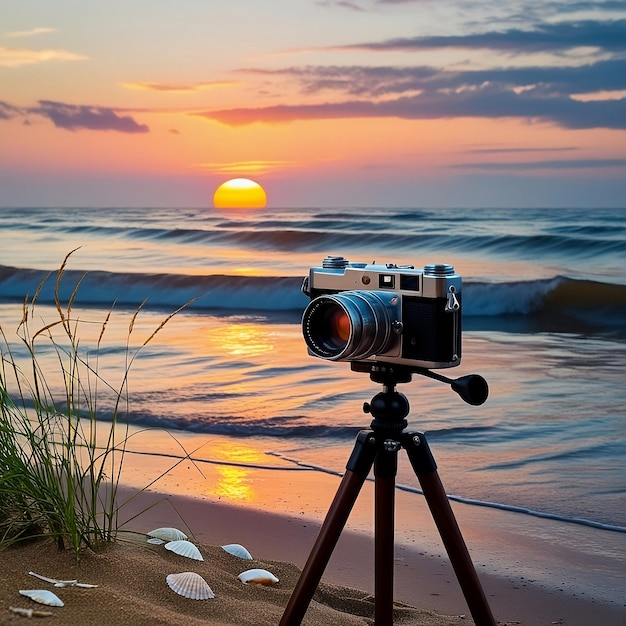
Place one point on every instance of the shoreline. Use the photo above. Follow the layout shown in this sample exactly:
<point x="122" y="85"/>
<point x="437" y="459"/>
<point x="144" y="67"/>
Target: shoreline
<point x="569" y="558"/>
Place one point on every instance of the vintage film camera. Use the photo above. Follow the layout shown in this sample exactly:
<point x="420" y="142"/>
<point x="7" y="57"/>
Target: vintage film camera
<point x="390" y="313"/>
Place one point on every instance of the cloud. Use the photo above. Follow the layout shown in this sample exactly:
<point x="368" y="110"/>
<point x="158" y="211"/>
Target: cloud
<point x="16" y="57"/>
<point x="400" y="1"/>
<point x="547" y="37"/>
<point x="8" y="111"/>
<point x="536" y="94"/>
<point x="561" y="164"/>
<point x="570" y="92"/>
<point x="31" y="32"/>
<point x="518" y="150"/>
<point x="379" y="81"/>
<point x="555" y="7"/>
<point x="76" y="117"/>
<point x="353" y="6"/>
<point x="564" y="112"/>
<point x="247" y="167"/>
<point x="180" y="87"/>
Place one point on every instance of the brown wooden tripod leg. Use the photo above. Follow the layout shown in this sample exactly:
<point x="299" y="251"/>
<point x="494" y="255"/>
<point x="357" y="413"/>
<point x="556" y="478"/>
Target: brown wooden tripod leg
<point x="385" y="469"/>
<point x="358" y="467"/>
<point x="426" y="470"/>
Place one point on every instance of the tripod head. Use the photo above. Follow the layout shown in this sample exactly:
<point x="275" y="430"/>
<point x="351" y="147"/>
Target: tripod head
<point x="472" y="388"/>
<point x="389" y="408"/>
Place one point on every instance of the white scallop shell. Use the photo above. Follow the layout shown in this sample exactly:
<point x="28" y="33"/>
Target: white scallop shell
<point x="184" y="548"/>
<point x="43" y="596"/>
<point x="167" y="534"/>
<point x="257" y="577"/>
<point x="155" y="541"/>
<point x="237" y="550"/>
<point x="190" y="585"/>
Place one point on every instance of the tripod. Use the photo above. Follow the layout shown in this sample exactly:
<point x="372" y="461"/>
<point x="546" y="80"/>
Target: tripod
<point x="379" y="447"/>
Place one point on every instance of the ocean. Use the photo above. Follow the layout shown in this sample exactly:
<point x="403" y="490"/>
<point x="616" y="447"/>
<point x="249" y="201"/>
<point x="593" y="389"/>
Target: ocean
<point x="544" y="322"/>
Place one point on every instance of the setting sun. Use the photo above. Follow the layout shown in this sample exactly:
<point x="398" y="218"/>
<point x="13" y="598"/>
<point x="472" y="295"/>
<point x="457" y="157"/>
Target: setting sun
<point x="239" y="193"/>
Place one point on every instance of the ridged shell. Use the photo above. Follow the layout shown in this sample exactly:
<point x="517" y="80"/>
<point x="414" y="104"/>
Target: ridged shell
<point x="190" y="585"/>
<point x="237" y="550"/>
<point x="184" y="548"/>
<point x="258" y="577"/>
<point x="155" y="541"/>
<point x="43" y="596"/>
<point x="167" y="534"/>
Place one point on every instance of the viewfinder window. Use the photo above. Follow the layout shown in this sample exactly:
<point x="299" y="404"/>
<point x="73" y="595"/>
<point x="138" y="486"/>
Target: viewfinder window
<point x="410" y="282"/>
<point x="386" y="281"/>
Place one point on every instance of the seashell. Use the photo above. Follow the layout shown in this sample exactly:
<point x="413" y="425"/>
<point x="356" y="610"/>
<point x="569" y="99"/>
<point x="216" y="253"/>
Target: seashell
<point x="155" y="541"/>
<point x="29" y="612"/>
<point x="190" y="585"/>
<point x="54" y="581"/>
<point x="184" y="548"/>
<point x="43" y="596"/>
<point x="237" y="550"/>
<point x="167" y="534"/>
<point x="258" y="577"/>
<point x="63" y="583"/>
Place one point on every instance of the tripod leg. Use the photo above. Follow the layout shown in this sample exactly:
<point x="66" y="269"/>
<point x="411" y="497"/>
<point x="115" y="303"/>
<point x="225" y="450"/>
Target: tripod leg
<point x="385" y="470"/>
<point x="357" y="469"/>
<point x="425" y="468"/>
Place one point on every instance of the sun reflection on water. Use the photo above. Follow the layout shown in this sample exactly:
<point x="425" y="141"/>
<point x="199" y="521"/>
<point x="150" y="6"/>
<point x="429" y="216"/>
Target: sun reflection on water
<point x="233" y="484"/>
<point x="236" y="482"/>
<point x="243" y="339"/>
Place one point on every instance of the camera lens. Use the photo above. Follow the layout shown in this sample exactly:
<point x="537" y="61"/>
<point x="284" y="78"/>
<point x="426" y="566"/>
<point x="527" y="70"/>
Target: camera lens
<point x="338" y="324"/>
<point x="350" y="325"/>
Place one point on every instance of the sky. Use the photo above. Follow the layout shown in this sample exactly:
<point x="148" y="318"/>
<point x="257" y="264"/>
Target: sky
<point x="325" y="103"/>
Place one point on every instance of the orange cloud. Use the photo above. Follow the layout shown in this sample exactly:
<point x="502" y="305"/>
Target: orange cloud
<point x="247" y="167"/>
<point x="31" y="32"/>
<point x="180" y="87"/>
<point x="16" y="57"/>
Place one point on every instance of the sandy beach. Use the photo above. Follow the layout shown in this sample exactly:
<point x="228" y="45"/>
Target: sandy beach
<point x="132" y="588"/>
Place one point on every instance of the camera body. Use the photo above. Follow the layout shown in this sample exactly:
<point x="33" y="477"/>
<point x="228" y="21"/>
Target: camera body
<point x="362" y="312"/>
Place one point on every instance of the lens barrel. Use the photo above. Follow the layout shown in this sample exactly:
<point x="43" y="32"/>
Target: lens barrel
<point x="351" y="325"/>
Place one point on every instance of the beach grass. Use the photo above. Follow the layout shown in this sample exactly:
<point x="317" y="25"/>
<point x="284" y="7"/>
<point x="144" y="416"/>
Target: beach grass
<point x="63" y="426"/>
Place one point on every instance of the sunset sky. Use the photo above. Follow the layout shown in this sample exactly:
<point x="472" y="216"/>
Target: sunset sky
<point x="400" y="103"/>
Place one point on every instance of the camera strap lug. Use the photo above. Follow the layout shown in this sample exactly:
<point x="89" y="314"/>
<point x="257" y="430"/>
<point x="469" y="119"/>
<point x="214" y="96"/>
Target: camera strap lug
<point x="305" y="287"/>
<point x="453" y="304"/>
